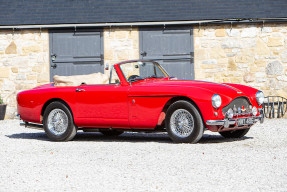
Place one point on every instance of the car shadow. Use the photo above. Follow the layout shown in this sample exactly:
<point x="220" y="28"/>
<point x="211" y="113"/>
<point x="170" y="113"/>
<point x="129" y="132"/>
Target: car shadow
<point x="219" y="139"/>
<point x="126" y="137"/>
<point x="37" y="136"/>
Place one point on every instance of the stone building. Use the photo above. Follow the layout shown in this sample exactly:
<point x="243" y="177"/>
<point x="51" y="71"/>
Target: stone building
<point x="234" y="41"/>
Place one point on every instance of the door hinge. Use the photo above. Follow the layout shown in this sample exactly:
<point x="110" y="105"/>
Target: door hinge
<point x="143" y="53"/>
<point x="102" y="59"/>
<point x="53" y="57"/>
<point x="54" y="66"/>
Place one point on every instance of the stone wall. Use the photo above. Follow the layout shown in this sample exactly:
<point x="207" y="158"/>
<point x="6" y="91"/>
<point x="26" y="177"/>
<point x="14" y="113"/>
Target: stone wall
<point x="24" y="63"/>
<point x="120" y="44"/>
<point x="254" y="55"/>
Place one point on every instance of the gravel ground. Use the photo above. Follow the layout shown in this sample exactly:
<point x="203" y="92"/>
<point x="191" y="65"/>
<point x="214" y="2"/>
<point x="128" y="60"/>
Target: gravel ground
<point x="143" y="162"/>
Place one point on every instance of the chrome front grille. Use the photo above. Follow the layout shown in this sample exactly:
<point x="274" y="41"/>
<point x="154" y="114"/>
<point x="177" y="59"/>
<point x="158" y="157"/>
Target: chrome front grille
<point x="237" y="104"/>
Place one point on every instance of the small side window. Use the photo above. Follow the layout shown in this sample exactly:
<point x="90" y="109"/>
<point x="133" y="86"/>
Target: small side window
<point x="114" y="78"/>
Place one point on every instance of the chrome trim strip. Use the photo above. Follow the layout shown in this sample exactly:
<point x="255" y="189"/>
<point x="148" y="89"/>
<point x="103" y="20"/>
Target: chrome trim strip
<point x="32" y="125"/>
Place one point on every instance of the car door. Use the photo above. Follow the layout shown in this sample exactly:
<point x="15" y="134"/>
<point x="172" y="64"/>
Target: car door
<point x="102" y="106"/>
<point x="145" y="106"/>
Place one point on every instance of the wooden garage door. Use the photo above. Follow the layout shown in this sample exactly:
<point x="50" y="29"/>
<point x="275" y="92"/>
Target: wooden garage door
<point x="172" y="47"/>
<point x="76" y="52"/>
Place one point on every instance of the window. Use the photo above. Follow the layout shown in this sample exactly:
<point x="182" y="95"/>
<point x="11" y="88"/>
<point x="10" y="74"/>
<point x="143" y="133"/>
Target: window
<point x="114" y="78"/>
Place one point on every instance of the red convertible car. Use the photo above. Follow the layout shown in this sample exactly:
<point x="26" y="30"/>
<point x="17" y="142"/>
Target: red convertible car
<point x="140" y="96"/>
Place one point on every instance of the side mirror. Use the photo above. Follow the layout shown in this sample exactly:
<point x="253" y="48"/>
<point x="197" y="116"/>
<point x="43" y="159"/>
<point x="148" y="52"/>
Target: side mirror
<point x="107" y="66"/>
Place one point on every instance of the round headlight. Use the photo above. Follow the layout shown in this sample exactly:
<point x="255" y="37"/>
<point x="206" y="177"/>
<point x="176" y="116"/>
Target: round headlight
<point x="260" y="97"/>
<point x="216" y="101"/>
<point x="254" y="111"/>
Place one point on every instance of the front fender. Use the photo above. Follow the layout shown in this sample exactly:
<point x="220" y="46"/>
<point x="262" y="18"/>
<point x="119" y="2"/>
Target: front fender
<point x="202" y="98"/>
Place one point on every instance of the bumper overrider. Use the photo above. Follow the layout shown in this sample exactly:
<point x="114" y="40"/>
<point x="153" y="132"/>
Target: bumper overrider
<point x="239" y="121"/>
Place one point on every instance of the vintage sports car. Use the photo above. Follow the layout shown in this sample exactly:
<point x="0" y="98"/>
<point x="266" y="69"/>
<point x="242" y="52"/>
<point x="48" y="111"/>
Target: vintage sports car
<point x="140" y="96"/>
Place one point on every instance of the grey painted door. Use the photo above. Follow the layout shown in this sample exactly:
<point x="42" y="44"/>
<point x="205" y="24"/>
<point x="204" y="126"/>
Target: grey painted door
<point x="172" y="47"/>
<point x="76" y="52"/>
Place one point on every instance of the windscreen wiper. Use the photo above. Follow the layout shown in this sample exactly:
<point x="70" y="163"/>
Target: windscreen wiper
<point x="136" y="79"/>
<point x="154" y="76"/>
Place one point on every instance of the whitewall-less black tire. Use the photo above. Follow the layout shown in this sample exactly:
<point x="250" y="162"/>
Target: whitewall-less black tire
<point x="184" y="123"/>
<point x="58" y="122"/>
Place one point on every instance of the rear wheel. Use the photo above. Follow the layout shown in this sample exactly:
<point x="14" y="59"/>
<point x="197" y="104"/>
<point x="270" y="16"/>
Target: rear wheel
<point x="234" y="134"/>
<point x="111" y="132"/>
<point x="58" y="122"/>
<point x="183" y="122"/>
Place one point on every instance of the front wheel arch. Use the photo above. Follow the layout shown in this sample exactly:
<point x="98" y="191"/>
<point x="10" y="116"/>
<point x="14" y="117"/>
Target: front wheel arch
<point x="178" y="98"/>
<point x="194" y="131"/>
<point x="51" y="101"/>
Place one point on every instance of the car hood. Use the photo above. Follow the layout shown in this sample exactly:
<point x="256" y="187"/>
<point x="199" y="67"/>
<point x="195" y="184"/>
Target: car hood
<point x="229" y="90"/>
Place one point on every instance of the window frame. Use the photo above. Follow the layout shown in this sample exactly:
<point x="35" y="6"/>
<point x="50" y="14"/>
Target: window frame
<point x="110" y="79"/>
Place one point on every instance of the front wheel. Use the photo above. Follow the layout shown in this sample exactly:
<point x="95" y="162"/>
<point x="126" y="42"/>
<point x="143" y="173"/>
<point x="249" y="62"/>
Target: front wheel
<point x="234" y="134"/>
<point x="183" y="122"/>
<point x="58" y="122"/>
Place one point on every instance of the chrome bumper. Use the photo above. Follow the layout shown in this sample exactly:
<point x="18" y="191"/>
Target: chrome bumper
<point x="227" y="122"/>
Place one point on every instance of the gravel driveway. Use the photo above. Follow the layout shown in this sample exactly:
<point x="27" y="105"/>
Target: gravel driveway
<point x="143" y="162"/>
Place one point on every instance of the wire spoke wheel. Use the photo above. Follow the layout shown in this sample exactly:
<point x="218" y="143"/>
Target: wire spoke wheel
<point x="182" y="123"/>
<point x="57" y="122"/>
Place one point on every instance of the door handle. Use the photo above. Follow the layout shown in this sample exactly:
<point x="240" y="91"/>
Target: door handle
<point x="80" y="90"/>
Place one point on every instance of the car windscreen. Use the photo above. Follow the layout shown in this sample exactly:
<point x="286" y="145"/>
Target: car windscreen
<point x="139" y="70"/>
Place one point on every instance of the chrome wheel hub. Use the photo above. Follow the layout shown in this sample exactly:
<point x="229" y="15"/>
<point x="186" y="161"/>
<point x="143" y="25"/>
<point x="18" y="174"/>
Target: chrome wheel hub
<point x="57" y="121"/>
<point x="181" y="123"/>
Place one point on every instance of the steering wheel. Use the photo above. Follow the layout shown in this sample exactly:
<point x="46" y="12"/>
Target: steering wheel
<point x="132" y="77"/>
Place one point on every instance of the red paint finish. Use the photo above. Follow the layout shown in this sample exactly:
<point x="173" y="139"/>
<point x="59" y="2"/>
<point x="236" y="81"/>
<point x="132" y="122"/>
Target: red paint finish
<point x="31" y="102"/>
<point x="105" y="105"/>
<point x="145" y="111"/>
<point x="137" y="105"/>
